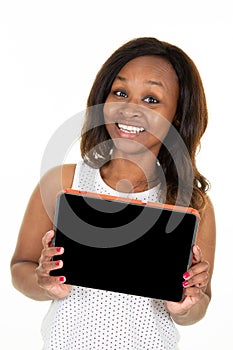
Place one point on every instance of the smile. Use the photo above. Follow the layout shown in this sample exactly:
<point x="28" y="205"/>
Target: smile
<point x="130" y="129"/>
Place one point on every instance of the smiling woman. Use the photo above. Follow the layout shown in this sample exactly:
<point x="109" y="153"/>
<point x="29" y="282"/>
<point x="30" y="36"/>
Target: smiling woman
<point x="145" y="87"/>
<point x="174" y="93"/>
<point x="146" y="114"/>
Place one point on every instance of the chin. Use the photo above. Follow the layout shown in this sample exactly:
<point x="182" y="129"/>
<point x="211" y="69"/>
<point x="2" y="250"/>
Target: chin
<point x="126" y="148"/>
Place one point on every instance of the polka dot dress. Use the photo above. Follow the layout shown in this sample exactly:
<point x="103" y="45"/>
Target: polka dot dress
<point x="91" y="319"/>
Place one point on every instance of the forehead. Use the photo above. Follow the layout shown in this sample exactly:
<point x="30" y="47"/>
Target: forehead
<point x="150" y="67"/>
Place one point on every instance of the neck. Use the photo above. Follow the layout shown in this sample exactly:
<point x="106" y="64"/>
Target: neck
<point x="127" y="176"/>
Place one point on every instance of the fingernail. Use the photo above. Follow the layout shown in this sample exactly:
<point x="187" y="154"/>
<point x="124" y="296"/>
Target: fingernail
<point x="58" y="249"/>
<point x="62" y="279"/>
<point x="186" y="275"/>
<point x="57" y="263"/>
<point x="185" y="283"/>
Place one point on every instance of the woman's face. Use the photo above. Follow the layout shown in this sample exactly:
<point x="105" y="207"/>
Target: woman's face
<point x="141" y="105"/>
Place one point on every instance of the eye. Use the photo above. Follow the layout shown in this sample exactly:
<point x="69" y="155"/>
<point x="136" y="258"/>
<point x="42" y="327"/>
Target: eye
<point x="120" y="93"/>
<point x="151" y="100"/>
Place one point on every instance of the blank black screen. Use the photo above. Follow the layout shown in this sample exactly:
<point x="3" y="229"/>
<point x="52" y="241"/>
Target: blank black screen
<point x="151" y="265"/>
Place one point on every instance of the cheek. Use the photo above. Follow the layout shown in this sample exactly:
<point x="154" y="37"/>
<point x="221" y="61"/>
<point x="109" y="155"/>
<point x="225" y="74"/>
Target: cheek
<point x="108" y="115"/>
<point x="109" y="124"/>
<point x="169" y="110"/>
<point x="110" y="130"/>
<point x="159" y="127"/>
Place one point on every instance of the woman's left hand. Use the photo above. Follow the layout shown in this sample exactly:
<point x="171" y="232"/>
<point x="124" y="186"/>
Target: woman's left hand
<point x="195" y="283"/>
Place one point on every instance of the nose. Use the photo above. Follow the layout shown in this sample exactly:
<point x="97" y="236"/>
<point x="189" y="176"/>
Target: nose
<point x="131" y="110"/>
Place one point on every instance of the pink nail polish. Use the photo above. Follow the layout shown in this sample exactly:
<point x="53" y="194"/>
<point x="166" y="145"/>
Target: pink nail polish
<point x="57" y="263"/>
<point x="185" y="283"/>
<point x="61" y="279"/>
<point x="186" y="275"/>
<point x="58" y="249"/>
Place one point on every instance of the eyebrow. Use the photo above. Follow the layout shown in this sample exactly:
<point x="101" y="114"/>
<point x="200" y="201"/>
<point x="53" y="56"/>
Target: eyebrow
<point x="153" y="82"/>
<point x="150" y="82"/>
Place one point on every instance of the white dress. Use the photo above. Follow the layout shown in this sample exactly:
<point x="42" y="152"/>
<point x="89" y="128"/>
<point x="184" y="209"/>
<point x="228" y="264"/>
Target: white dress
<point x="91" y="319"/>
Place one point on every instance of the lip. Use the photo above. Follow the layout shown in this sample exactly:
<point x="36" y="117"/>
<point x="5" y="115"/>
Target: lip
<point x="130" y="124"/>
<point x="129" y="135"/>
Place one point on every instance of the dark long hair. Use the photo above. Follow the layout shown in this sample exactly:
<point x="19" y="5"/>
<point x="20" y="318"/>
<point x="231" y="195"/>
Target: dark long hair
<point x="190" y="119"/>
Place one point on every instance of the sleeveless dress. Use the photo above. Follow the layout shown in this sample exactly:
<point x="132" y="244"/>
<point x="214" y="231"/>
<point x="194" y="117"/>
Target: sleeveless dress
<point x="91" y="319"/>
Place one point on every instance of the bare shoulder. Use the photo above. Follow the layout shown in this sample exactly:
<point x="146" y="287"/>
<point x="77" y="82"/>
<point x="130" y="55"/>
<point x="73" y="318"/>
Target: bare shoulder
<point x="54" y="181"/>
<point x="43" y="199"/>
<point x="60" y="176"/>
<point x="207" y="222"/>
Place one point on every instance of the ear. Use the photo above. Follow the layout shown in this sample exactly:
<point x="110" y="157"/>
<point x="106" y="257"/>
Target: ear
<point x="176" y="122"/>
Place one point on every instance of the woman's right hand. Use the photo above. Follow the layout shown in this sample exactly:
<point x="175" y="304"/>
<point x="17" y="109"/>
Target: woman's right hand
<point x="54" y="286"/>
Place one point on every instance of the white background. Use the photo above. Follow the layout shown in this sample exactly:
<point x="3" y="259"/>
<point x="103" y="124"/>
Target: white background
<point x="50" y="53"/>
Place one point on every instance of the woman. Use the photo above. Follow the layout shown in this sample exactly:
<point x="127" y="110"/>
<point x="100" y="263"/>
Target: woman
<point x="146" y="96"/>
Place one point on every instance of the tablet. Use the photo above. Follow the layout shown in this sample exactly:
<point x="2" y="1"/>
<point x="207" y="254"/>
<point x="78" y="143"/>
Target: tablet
<point x="124" y="245"/>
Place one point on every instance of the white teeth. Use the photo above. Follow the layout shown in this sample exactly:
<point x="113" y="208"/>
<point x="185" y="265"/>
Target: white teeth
<point x="130" y="129"/>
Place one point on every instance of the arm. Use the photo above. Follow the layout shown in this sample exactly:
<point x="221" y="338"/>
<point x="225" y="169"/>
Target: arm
<point x="31" y="261"/>
<point x="197" y="282"/>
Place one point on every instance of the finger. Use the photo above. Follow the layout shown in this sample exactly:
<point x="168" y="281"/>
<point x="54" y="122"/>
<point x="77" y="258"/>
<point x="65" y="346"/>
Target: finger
<point x="194" y="292"/>
<point x="196" y="270"/>
<point x="197" y="254"/>
<point x="46" y="267"/>
<point x="47" y="238"/>
<point x="48" y="253"/>
<point x="201" y="280"/>
<point x="48" y="282"/>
